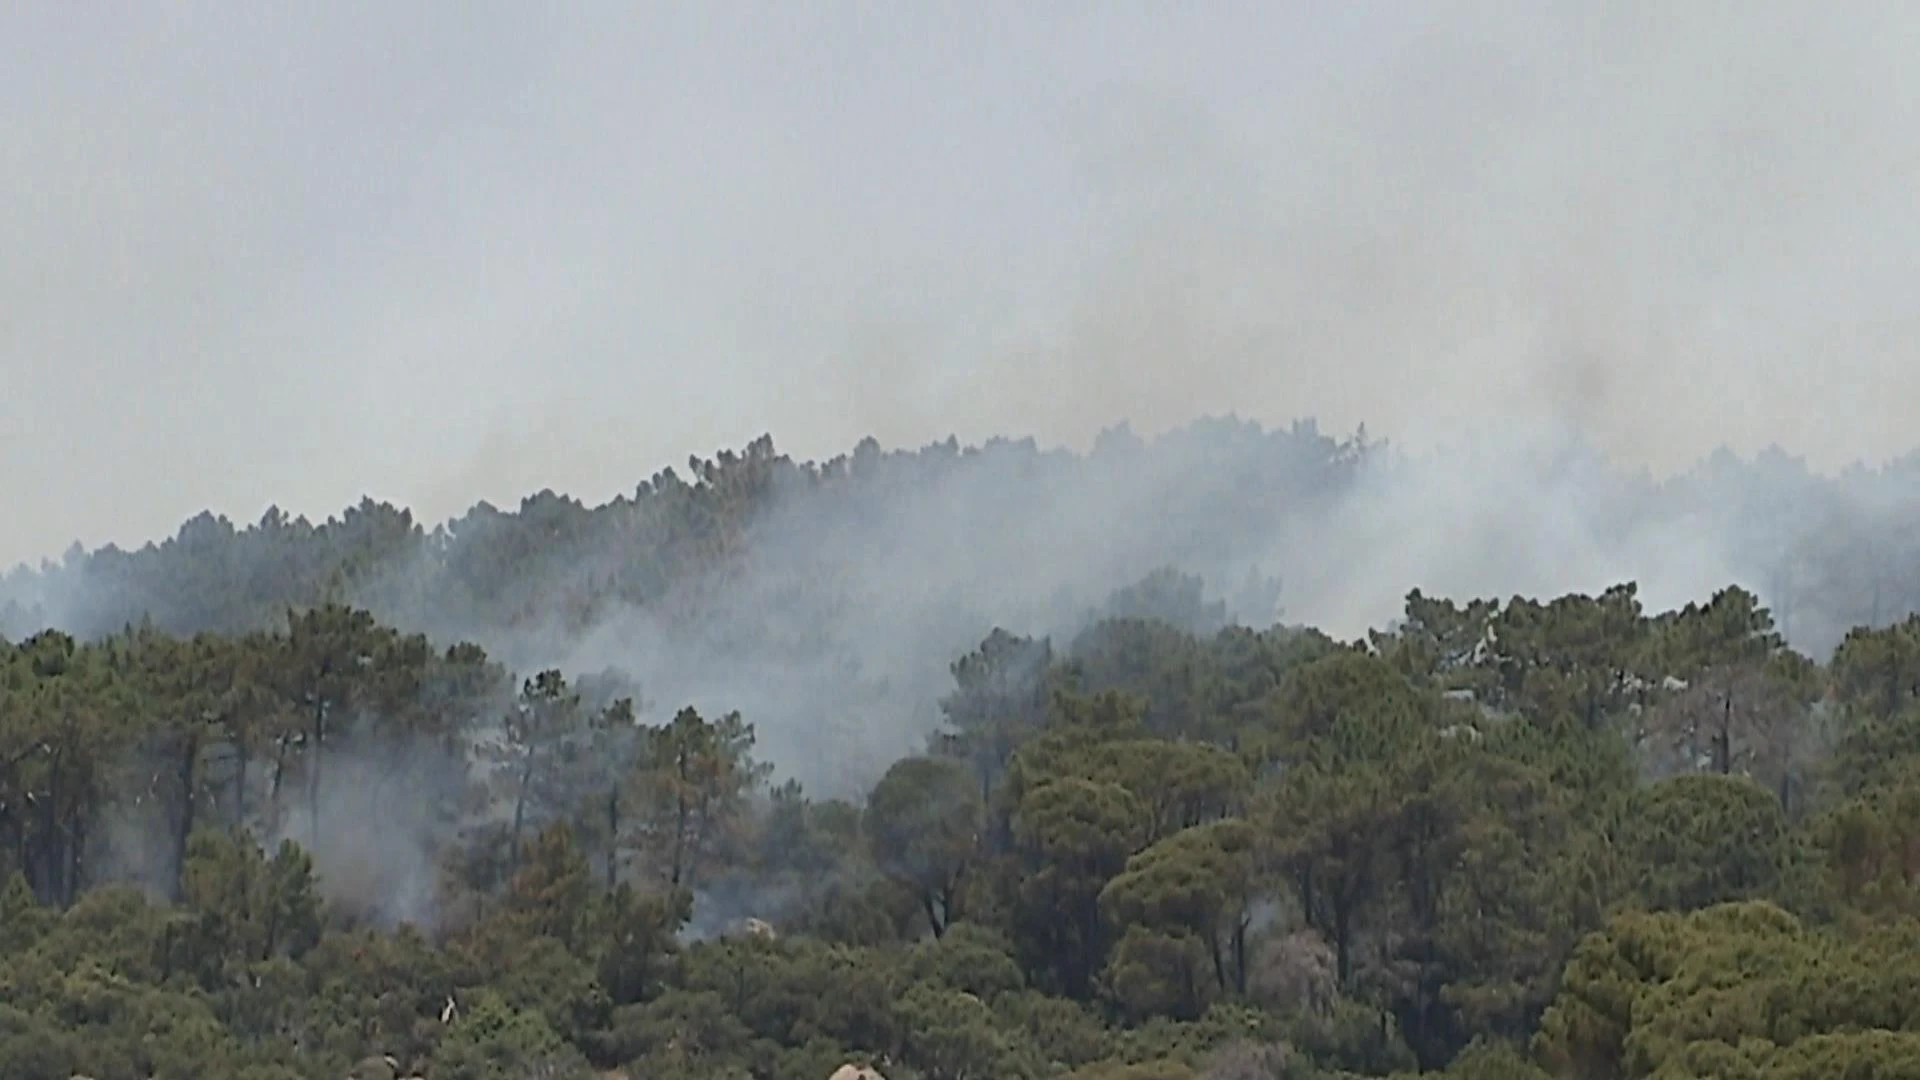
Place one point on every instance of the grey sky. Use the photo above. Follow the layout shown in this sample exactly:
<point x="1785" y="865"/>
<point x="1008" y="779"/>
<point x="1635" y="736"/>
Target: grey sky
<point x="256" y="254"/>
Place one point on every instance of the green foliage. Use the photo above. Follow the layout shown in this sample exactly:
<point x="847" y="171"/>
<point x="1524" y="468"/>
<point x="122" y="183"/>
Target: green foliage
<point x="495" y="1041"/>
<point x="1707" y="839"/>
<point x="1740" y="989"/>
<point x="1503" y="840"/>
<point x="924" y="820"/>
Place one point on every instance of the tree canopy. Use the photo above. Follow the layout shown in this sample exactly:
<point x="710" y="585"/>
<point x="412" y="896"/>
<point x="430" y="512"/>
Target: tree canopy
<point x="255" y="828"/>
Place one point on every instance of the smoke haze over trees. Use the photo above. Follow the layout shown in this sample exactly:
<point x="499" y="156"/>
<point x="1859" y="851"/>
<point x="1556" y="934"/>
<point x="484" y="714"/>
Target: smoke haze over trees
<point x="353" y="249"/>
<point x="826" y="599"/>
<point x="266" y="833"/>
<point x="1547" y="706"/>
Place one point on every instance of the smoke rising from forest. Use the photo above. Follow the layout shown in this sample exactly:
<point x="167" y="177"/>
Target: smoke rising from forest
<point x="521" y="252"/>
<point x="831" y="617"/>
<point x="1536" y="249"/>
<point x="854" y="584"/>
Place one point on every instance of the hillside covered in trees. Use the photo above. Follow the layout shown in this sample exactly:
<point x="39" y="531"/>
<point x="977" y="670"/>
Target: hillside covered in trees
<point x="664" y="787"/>
<point x="827" y="599"/>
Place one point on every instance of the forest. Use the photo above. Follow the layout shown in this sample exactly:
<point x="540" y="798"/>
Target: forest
<point x="665" y="788"/>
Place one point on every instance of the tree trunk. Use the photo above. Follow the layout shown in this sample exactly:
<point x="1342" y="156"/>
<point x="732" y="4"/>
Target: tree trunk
<point x="50" y="853"/>
<point x="1219" y="959"/>
<point x="279" y="774"/>
<point x="241" y="760"/>
<point x="613" y="835"/>
<point x="1723" y="740"/>
<point x="520" y="811"/>
<point x="681" y="816"/>
<point x="76" y="852"/>
<point x="313" y="769"/>
<point x="1343" y="943"/>
<point x="183" y="828"/>
<point x="1240" y="956"/>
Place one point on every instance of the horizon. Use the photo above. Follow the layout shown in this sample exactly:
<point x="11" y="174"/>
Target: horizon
<point x="1376" y="440"/>
<point x="290" y="259"/>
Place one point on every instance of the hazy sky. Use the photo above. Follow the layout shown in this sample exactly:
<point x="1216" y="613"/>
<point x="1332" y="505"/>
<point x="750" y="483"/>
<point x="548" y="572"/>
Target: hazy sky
<point x="291" y="254"/>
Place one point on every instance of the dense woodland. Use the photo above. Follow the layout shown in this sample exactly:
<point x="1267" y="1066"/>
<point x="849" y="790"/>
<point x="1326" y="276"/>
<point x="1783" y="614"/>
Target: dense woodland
<point x="267" y="810"/>
<point x="1038" y="532"/>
